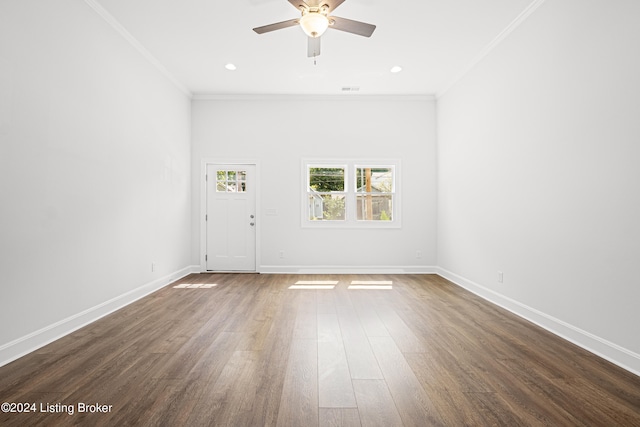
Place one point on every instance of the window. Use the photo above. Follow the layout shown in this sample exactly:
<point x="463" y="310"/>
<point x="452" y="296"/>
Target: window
<point x="231" y="181"/>
<point x="350" y="194"/>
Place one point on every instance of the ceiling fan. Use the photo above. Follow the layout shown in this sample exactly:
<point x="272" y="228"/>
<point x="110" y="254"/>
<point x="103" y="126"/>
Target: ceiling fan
<point x="315" y="20"/>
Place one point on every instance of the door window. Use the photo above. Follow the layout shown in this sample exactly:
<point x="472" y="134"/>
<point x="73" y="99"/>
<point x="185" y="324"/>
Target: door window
<point x="231" y="181"/>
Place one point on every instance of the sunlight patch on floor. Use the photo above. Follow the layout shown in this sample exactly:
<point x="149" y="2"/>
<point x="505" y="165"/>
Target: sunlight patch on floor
<point x="371" y="284"/>
<point x="195" y="286"/>
<point x="314" y="284"/>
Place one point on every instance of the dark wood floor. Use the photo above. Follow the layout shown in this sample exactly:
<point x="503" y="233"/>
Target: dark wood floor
<point x="252" y="352"/>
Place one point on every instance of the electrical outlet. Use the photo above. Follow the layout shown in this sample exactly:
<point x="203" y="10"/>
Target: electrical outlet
<point x="500" y="277"/>
<point x="153" y="267"/>
<point x="281" y="254"/>
<point x="418" y="254"/>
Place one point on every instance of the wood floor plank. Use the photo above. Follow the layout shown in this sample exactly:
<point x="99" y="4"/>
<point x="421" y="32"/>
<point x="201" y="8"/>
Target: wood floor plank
<point x="605" y="376"/>
<point x="273" y="358"/>
<point x="493" y="410"/>
<point x="247" y="350"/>
<point x="173" y="405"/>
<point x="375" y="404"/>
<point x="335" y="389"/>
<point x="339" y="417"/>
<point x="414" y="406"/>
<point x="594" y="406"/>
<point x="454" y="408"/>
<point x="546" y="402"/>
<point x="299" y="401"/>
<point x="516" y="389"/>
<point x="258" y="321"/>
<point x="440" y="370"/>
<point x="208" y="364"/>
<point x="229" y="399"/>
<point x="403" y="336"/>
<point x="362" y="362"/>
<point x="306" y="326"/>
<point x="371" y="323"/>
<point x="325" y="301"/>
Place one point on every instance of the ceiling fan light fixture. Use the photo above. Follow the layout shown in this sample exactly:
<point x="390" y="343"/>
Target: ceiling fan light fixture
<point x="314" y="24"/>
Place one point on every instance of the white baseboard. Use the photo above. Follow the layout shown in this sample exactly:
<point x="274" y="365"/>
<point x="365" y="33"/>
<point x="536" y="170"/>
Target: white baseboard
<point x="35" y="340"/>
<point x="612" y="352"/>
<point x="345" y="269"/>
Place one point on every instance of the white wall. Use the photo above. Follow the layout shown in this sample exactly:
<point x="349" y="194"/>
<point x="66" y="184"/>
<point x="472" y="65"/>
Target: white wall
<point x="94" y="170"/>
<point x="539" y="173"/>
<point x="279" y="132"/>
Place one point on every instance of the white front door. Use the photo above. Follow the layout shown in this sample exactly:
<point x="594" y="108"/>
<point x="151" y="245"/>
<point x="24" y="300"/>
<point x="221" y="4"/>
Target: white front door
<point x="231" y="217"/>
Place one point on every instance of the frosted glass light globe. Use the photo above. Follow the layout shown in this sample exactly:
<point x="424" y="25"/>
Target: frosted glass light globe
<point x="314" y="24"/>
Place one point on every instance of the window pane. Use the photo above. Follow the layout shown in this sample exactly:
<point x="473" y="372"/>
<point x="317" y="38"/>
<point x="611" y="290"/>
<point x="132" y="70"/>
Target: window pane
<point x="374" y="207"/>
<point x="231" y="181"/>
<point x="376" y="180"/>
<point x="326" y="180"/>
<point x="241" y="177"/>
<point x="327" y="207"/>
<point x="221" y="181"/>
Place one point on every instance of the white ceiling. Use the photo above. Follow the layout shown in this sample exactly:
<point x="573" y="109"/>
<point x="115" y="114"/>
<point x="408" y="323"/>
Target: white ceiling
<point x="434" y="41"/>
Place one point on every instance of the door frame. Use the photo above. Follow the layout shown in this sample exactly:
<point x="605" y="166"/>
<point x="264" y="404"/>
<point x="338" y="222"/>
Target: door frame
<point x="202" y="233"/>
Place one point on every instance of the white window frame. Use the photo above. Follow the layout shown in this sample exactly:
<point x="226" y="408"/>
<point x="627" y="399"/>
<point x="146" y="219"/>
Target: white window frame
<point x="350" y="191"/>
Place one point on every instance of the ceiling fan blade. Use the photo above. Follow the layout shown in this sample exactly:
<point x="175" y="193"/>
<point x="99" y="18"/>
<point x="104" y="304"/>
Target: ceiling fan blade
<point x="313" y="47"/>
<point x="276" y="26"/>
<point x="303" y="3"/>
<point x="333" y="4"/>
<point x="354" y="27"/>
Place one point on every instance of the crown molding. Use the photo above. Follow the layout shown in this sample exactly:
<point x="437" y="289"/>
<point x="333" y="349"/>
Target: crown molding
<point x="495" y="42"/>
<point x="136" y="44"/>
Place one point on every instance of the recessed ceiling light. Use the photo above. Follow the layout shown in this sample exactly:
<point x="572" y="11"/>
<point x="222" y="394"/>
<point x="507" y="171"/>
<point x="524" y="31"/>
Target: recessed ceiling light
<point x="230" y="67"/>
<point x="396" y="69"/>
